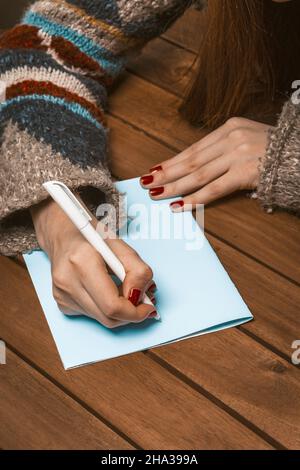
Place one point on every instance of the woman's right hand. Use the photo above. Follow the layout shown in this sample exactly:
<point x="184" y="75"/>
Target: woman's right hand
<point x="81" y="281"/>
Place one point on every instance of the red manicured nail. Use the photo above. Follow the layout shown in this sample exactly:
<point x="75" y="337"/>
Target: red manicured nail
<point x="148" y="179"/>
<point x="155" y="168"/>
<point x="153" y="287"/>
<point x="177" y="204"/>
<point x="152" y="314"/>
<point x="134" y="296"/>
<point x="157" y="191"/>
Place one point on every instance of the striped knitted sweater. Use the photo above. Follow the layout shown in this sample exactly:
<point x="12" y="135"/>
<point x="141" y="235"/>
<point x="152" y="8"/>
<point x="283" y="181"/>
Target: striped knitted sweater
<point x="57" y="65"/>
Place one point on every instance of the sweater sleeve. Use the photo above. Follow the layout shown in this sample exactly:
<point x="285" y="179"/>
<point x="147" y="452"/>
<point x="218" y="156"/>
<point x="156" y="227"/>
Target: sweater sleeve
<point x="279" y="185"/>
<point x="56" y="67"/>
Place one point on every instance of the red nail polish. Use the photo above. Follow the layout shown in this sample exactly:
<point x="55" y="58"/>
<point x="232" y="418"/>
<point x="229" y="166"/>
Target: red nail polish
<point x="153" y="287"/>
<point x="148" y="179"/>
<point x="177" y="204"/>
<point x="155" y="168"/>
<point x="157" y="191"/>
<point x="134" y="296"/>
<point x="152" y="314"/>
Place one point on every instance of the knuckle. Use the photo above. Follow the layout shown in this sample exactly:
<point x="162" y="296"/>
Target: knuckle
<point x="59" y="279"/>
<point x="110" y="325"/>
<point x="65" y="310"/>
<point x="192" y="164"/>
<point x="194" y="147"/>
<point x="238" y="134"/>
<point x="244" y="148"/>
<point x="75" y="259"/>
<point x="201" y="176"/>
<point x="215" y="189"/>
<point x="233" y="123"/>
<point x="112" y="310"/>
<point x="144" y="272"/>
<point x="57" y="296"/>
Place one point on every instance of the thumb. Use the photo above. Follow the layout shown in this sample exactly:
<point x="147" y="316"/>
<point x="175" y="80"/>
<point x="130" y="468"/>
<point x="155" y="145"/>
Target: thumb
<point x="137" y="281"/>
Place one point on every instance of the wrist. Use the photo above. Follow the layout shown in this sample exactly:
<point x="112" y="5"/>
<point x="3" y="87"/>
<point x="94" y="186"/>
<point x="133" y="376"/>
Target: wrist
<point x="48" y="222"/>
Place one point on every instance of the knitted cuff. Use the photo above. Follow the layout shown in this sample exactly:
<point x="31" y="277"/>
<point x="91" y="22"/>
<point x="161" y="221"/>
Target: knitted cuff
<point x="75" y="156"/>
<point x="279" y="184"/>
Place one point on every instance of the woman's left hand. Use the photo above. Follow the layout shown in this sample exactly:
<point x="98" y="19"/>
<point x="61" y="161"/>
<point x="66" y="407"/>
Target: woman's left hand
<point x="224" y="161"/>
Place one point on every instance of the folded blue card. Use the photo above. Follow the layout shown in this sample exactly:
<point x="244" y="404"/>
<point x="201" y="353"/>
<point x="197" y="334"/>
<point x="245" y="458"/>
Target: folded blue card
<point x="195" y="294"/>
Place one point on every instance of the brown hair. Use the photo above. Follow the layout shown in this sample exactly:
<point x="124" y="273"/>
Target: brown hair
<point x="251" y="50"/>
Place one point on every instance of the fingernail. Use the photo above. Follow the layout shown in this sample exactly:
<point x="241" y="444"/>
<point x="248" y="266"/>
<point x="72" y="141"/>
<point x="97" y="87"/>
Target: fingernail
<point x="134" y="296"/>
<point x="157" y="191"/>
<point x="152" y="314"/>
<point x="177" y="204"/>
<point x="155" y="168"/>
<point x="148" y="179"/>
<point x="153" y="287"/>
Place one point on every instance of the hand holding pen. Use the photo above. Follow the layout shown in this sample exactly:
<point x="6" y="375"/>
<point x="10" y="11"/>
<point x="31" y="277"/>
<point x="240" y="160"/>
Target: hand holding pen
<point x="82" y="283"/>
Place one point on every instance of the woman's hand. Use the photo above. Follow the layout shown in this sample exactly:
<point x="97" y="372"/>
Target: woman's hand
<point x="81" y="281"/>
<point x="224" y="161"/>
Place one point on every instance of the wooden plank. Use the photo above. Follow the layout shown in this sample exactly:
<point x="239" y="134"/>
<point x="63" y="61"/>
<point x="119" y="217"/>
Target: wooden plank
<point x="238" y="220"/>
<point x="273" y="300"/>
<point x="165" y="65"/>
<point x="248" y="378"/>
<point x="35" y="414"/>
<point x="134" y="393"/>
<point x="153" y="110"/>
<point x="188" y="31"/>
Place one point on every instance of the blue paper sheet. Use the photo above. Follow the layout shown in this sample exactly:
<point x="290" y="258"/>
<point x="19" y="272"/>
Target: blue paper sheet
<point x="195" y="294"/>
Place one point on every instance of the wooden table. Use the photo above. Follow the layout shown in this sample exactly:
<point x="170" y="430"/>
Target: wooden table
<point x="237" y="389"/>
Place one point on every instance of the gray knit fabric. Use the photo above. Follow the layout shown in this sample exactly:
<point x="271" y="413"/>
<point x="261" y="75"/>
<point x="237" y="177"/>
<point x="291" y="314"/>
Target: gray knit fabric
<point x="279" y="185"/>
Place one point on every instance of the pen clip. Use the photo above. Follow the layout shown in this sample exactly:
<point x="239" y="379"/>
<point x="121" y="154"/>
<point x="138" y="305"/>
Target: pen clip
<point x="52" y="186"/>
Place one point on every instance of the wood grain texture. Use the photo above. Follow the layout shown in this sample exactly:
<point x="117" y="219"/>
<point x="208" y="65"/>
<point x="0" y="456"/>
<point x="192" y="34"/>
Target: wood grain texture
<point x="245" y="376"/>
<point x="273" y="300"/>
<point x="135" y="394"/>
<point x="188" y="31"/>
<point x="35" y="414"/>
<point x="165" y="65"/>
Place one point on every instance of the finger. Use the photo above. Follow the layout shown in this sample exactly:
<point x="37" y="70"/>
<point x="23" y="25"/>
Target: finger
<point x="139" y="275"/>
<point x="197" y="179"/>
<point x="210" y="139"/>
<point x="65" y="303"/>
<point x="82" y="304"/>
<point x="89" y="307"/>
<point x="214" y="137"/>
<point x="101" y="288"/>
<point x="70" y="309"/>
<point x="185" y="167"/>
<point x="151" y="297"/>
<point x="152" y="287"/>
<point x="220" y="187"/>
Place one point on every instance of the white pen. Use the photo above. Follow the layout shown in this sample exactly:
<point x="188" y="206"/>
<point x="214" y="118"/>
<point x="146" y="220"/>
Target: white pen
<point x="82" y="220"/>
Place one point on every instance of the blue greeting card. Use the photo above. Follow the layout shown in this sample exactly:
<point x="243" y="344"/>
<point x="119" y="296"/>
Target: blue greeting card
<point x="195" y="294"/>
